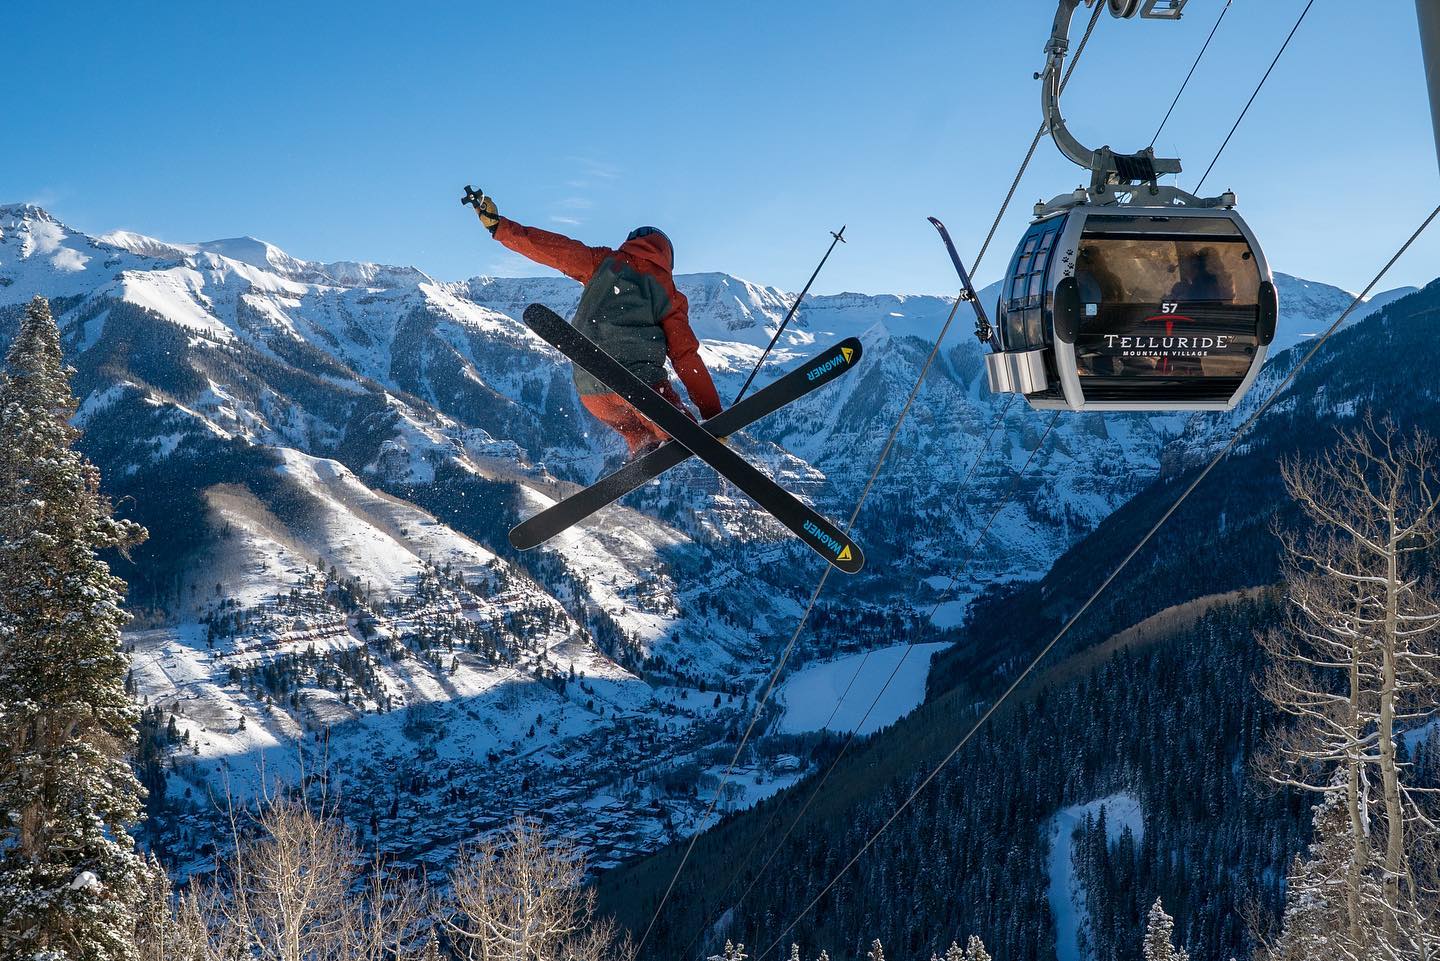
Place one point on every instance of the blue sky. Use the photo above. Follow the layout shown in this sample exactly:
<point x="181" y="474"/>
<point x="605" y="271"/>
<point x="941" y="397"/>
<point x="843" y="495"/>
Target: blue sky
<point x="746" y="130"/>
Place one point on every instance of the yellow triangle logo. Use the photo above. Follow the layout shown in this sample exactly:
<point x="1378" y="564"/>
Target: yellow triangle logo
<point x="844" y="554"/>
<point x="848" y="352"/>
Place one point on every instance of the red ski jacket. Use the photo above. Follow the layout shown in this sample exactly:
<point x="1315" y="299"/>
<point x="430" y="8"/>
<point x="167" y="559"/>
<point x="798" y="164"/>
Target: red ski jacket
<point x="630" y="306"/>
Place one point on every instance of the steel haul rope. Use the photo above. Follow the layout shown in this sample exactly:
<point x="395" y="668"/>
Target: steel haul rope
<point x="1256" y="93"/>
<point x="1179" y="93"/>
<point x="1240" y="431"/>
<point x="894" y="672"/>
<point x="759" y="838"/>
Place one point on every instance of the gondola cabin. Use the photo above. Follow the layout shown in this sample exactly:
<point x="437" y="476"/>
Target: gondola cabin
<point x="1121" y="307"/>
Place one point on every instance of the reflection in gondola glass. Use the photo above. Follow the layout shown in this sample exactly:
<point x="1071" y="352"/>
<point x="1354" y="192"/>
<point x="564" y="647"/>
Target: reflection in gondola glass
<point x="1166" y="307"/>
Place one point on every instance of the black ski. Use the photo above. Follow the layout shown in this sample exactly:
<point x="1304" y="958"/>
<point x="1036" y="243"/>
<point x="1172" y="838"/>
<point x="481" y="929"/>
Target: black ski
<point x="984" y="332"/>
<point x="819" y="534"/>
<point x="561" y="516"/>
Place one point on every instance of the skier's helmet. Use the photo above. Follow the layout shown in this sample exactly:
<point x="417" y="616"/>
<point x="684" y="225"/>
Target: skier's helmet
<point x="639" y="232"/>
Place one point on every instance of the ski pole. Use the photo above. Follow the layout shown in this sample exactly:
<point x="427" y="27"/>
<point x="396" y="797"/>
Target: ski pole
<point x="839" y="239"/>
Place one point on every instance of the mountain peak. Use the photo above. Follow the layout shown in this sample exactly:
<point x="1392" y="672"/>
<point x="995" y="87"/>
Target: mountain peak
<point x="14" y="213"/>
<point x="252" y="251"/>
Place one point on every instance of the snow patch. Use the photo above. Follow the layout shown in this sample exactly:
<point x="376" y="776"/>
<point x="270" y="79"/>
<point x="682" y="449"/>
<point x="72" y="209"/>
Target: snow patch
<point x="810" y="695"/>
<point x="1067" y="897"/>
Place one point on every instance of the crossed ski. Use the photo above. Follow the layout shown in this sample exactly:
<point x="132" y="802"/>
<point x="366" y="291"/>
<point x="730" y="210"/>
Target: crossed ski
<point x="689" y="438"/>
<point x="570" y="511"/>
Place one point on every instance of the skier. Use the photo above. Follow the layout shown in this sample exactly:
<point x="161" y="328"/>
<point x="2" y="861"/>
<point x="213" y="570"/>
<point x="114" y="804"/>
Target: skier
<point x="631" y="309"/>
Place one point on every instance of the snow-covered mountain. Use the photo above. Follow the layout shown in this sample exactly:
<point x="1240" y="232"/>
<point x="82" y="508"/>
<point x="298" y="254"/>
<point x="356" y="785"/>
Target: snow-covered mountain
<point x="328" y="456"/>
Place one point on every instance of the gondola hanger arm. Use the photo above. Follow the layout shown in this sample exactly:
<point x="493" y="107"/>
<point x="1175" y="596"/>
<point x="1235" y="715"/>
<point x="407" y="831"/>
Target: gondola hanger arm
<point x="1107" y="168"/>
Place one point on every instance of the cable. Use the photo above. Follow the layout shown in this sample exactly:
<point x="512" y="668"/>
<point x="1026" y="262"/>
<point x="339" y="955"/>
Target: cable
<point x="760" y="836"/>
<point x="804" y="618"/>
<point x="1030" y="668"/>
<point x="1245" y="426"/>
<point x="894" y="672"/>
<point x="1030" y="154"/>
<point x="994" y="226"/>
<point x="1223" y="10"/>
<point x="1278" y="53"/>
<point x="964" y="485"/>
<point x="889" y="442"/>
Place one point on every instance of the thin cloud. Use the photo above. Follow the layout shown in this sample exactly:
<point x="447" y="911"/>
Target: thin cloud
<point x="597" y="169"/>
<point x="564" y="210"/>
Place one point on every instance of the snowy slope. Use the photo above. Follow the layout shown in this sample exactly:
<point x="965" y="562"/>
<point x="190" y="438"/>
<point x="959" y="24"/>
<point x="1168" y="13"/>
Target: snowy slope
<point x="1066" y="894"/>
<point x="860" y="692"/>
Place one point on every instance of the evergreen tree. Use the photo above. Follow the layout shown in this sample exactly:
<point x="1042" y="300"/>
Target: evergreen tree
<point x="732" y="952"/>
<point x="1315" y="904"/>
<point x="1159" y="936"/>
<point x="972" y="854"/>
<point x="975" y="950"/>
<point x="70" y="879"/>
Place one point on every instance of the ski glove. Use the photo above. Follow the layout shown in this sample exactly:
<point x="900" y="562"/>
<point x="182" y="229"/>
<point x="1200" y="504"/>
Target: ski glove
<point x="489" y="216"/>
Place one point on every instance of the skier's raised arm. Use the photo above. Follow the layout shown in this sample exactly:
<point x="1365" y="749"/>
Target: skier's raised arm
<point x="683" y="348"/>
<point x="572" y="258"/>
<point x="629" y="309"/>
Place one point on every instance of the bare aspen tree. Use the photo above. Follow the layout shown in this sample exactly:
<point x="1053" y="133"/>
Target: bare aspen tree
<point x="167" y="929"/>
<point x="299" y="889"/>
<point x="1356" y="665"/>
<point x="522" y="897"/>
<point x="1320" y="676"/>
